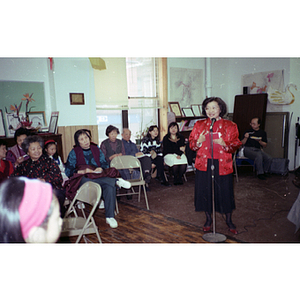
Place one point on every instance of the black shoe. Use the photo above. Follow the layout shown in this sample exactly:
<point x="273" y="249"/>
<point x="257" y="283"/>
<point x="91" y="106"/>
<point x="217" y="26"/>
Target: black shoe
<point x="268" y="175"/>
<point x="147" y="177"/>
<point x="296" y="182"/>
<point x="261" y="176"/>
<point x="165" y="183"/>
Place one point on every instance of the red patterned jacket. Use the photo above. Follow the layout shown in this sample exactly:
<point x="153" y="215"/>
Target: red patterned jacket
<point x="225" y="129"/>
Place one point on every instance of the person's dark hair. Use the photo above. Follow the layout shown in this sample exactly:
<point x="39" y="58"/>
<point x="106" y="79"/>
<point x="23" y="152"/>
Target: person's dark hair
<point x="21" y="131"/>
<point x="258" y="120"/>
<point x="55" y="155"/>
<point x="32" y="139"/>
<point x="11" y="193"/>
<point x="151" y="128"/>
<point x="3" y="142"/>
<point x="172" y="124"/>
<point x="111" y="128"/>
<point x="79" y="132"/>
<point x="221" y="103"/>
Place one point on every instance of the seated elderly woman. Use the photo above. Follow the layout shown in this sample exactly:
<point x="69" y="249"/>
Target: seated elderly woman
<point x="29" y="212"/>
<point x="86" y="162"/>
<point x="112" y="147"/>
<point x="41" y="167"/>
<point x="6" y="167"/>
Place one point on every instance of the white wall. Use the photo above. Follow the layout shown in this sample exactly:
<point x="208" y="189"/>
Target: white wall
<point x="74" y="75"/>
<point x="70" y="75"/>
<point x="189" y="63"/>
<point x="227" y="82"/>
<point x="28" y="69"/>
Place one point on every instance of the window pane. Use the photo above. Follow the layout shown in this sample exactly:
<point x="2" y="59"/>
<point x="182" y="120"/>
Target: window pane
<point x="141" y="119"/>
<point x="141" y="76"/>
<point x="106" y="118"/>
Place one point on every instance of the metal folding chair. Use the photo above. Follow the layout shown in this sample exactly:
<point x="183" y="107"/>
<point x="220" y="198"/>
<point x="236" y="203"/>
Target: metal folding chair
<point x="130" y="162"/>
<point x="89" y="193"/>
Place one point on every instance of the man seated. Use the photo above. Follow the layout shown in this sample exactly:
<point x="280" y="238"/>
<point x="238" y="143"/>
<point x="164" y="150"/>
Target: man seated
<point x="254" y="141"/>
<point x="131" y="149"/>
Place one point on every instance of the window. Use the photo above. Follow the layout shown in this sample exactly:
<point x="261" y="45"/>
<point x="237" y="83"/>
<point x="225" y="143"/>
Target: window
<point x="142" y="93"/>
<point x="141" y="73"/>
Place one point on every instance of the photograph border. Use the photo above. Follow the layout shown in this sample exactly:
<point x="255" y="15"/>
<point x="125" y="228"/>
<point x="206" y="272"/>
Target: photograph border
<point x="40" y="115"/>
<point x="77" y="98"/>
<point x="2" y="128"/>
<point x="188" y="112"/>
<point x="53" y="124"/>
<point x="177" y="110"/>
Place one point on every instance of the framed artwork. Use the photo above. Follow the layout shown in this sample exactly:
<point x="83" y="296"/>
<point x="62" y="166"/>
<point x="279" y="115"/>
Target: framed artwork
<point x="175" y="108"/>
<point x="76" y="98"/>
<point x="188" y="112"/>
<point x="196" y="110"/>
<point x="37" y="118"/>
<point x="12" y="122"/>
<point x="2" y="129"/>
<point x="53" y="122"/>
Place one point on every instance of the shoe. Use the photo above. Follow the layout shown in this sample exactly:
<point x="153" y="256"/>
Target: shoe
<point x="296" y="182"/>
<point x="165" y="183"/>
<point x="268" y="175"/>
<point x="123" y="183"/>
<point x="206" y="228"/>
<point x="112" y="222"/>
<point x="261" y="177"/>
<point x="147" y="177"/>
<point x="101" y="206"/>
<point x="232" y="228"/>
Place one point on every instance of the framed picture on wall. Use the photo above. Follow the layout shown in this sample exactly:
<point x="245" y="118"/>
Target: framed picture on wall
<point x="53" y="122"/>
<point x="188" y="112"/>
<point x="12" y="122"/>
<point x="37" y="118"/>
<point x="196" y="110"/>
<point x="175" y="108"/>
<point x="2" y="129"/>
<point x="77" y="98"/>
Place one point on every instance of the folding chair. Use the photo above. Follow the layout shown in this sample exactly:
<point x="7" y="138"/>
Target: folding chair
<point x="238" y="159"/>
<point x="130" y="162"/>
<point x="90" y="193"/>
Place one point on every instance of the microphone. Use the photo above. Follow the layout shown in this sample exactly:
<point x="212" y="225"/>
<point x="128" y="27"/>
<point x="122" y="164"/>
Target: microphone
<point x="213" y="120"/>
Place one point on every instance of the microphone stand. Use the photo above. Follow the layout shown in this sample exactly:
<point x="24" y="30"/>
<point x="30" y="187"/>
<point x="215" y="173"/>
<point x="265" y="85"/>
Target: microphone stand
<point x="213" y="237"/>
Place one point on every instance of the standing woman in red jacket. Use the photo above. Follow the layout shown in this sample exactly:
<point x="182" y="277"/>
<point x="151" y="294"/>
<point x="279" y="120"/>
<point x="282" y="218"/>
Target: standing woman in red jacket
<point x="225" y="142"/>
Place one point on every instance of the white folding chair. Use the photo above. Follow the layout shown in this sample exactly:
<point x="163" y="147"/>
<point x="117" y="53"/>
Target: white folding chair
<point x="130" y="162"/>
<point x="90" y="193"/>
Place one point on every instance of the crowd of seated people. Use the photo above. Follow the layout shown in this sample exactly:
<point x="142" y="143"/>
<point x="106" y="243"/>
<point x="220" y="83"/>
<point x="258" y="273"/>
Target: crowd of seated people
<point x="32" y="158"/>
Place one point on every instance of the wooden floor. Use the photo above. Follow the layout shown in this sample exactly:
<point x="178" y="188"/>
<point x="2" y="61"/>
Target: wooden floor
<point x="138" y="225"/>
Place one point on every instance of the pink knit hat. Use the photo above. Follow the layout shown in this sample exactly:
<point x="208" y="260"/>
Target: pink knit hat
<point x="35" y="204"/>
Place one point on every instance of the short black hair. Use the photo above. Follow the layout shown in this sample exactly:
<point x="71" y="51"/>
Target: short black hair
<point x="21" y="131"/>
<point x="258" y="120"/>
<point x="111" y="128"/>
<point x="172" y="124"/>
<point x="3" y="142"/>
<point x="79" y="132"/>
<point x="221" y="103"/>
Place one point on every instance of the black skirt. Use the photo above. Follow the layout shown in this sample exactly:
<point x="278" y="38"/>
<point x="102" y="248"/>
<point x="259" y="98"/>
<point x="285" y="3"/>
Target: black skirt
<point x="223" y="188"/>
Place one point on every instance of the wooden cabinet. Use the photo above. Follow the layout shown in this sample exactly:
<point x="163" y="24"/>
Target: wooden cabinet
<point x="46" y="136"/>
<point x="188" y="125"/>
